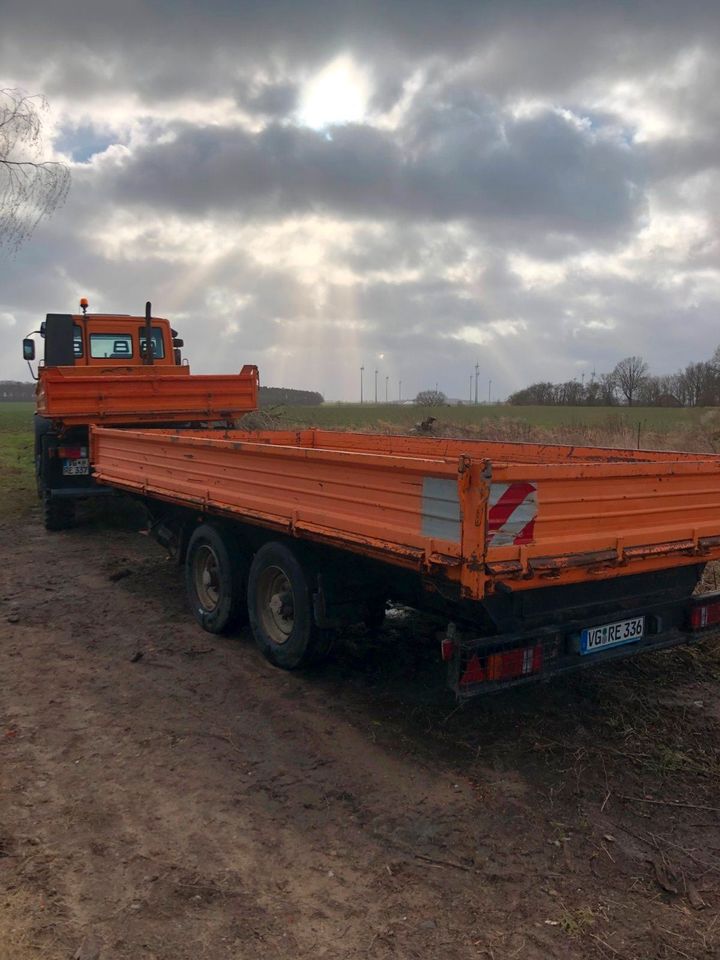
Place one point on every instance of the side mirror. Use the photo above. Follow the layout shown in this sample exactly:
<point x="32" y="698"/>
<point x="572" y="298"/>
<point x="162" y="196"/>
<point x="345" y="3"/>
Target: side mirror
<point x="28" y="349"/>
<point x="178" y="342"/>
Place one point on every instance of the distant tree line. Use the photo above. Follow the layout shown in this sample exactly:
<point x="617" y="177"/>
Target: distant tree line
<point x="14" y="390"/>
<point x="631" y="383"/>
<point x="272" y="396"/>
<point x="269" y="396"/>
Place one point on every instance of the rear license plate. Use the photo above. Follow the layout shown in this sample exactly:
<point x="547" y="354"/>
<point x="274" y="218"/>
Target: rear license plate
<point x="593" y="639"/>
<point x="76" y="468"/>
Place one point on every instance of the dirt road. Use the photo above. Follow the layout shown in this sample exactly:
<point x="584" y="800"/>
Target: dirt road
<point x="167" y="794"/>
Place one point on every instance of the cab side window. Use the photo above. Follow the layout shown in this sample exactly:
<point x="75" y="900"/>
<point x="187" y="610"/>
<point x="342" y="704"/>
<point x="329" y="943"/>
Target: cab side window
<point x="158" y="344"/>
<point x="77" y="341"/>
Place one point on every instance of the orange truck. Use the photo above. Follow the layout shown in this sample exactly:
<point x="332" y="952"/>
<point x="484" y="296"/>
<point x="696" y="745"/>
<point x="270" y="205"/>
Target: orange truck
<point x="538" y="559"/>
<point x="98" y="368"/>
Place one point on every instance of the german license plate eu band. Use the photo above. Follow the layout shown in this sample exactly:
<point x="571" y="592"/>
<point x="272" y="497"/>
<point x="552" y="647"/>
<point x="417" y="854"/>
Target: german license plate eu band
<point x="76" y="468"/>
<point x="606" y="635"/>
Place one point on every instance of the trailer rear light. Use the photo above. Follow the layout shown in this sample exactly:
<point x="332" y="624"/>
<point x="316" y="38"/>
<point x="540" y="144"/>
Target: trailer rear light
<point x="505" y="665"/>
<point x="705" y="615"/>
<point x="447" y="649"/>
<point x="72" y="453"/>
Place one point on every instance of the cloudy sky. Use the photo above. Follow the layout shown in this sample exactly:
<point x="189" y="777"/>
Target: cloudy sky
<point x="413" y="186"/>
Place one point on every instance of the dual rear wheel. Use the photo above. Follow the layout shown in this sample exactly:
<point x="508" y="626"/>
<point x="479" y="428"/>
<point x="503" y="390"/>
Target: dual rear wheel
<point x="272" y="592"/>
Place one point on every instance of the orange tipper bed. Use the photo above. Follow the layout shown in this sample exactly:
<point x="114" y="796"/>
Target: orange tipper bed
<point x="484" y="515"/>
<point x="149" y="394"/>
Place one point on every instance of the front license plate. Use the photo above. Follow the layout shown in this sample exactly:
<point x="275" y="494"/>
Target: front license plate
<point x="593" y="639"/>
<point x="76" y="468"/>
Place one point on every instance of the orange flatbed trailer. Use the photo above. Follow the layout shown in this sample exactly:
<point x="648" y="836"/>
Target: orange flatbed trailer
<point x="433" y="505"/>
<point x="475" y="522"/>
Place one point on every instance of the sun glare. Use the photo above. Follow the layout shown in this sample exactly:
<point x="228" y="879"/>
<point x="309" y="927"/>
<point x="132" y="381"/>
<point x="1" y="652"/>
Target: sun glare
<point x="338" y="94"/>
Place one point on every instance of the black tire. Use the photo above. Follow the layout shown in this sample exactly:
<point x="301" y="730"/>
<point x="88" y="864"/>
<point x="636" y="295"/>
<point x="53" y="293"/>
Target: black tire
<point x="281" y="610"/>
<point x="57" y="514"/>
<point x="215" y="579"/>
<point x="374" y="614"/>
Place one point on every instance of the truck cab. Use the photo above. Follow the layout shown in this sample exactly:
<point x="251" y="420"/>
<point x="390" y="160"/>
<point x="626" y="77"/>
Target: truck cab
<point x="105" y="340"/>
<point x="122" y="370"/>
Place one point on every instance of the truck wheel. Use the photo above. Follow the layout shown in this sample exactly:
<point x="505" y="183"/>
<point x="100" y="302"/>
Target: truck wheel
<point x="374" y="614"/>
<point x="215" y="580"/>
<point x="280" y="609"/>
<point x="57" y="514"/>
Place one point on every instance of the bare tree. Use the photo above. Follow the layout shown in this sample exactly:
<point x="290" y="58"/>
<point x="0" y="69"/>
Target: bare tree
<point x="607" y="387"/>
<point x="629" y="375"/>
<point x="699" y="384"/>
<point x="30" y="188"/>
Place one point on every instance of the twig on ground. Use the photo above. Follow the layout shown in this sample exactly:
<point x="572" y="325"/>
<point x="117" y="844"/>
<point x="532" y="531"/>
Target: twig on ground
<point x="613" y="951"/>
<point x="443" y="863"/>
<point x="670" y="803"/>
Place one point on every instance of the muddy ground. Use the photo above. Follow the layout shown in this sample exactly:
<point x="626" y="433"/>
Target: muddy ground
<point x="168" y="794"/>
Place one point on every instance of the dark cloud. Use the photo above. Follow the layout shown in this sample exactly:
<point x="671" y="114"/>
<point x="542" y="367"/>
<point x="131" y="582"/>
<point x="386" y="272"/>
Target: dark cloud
<point x="272" y="99"/>
<point x="177" y="48"/>
<point x="457" y="163"/>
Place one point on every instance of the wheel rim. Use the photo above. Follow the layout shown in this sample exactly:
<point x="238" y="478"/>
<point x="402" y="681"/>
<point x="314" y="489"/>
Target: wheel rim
<point x="206" y="577"/>
<point x="276" y="604"/>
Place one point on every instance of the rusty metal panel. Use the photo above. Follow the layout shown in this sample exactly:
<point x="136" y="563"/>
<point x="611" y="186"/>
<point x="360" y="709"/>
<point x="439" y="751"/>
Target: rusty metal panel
<point x="498" y="451"/>
<point x="601" y="520"/>
<point x="372" y="503"/>
<point x="422" y="503"/>
<point x="80" y="395"/>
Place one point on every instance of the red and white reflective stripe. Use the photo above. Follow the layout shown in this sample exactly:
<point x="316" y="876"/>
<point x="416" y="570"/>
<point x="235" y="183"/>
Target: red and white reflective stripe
<point x="512" y="509"/>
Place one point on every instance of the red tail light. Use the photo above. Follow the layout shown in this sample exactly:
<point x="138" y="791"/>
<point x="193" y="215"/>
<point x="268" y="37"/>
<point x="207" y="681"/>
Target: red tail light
<point x="705" y="615"/>
<point x="447" y="648"/>
<point x="506" y="665"/>
<point x="72" y="453"/>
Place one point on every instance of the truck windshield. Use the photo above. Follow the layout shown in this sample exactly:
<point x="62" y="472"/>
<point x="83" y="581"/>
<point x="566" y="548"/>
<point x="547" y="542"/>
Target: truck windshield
<point x="111" y="346"/>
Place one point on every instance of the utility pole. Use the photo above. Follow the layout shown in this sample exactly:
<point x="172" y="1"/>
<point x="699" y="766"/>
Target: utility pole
<point x="477" y="375"/>
<point x="362" y="370"/>
<point x="376" y="373"/>
<point x="387" y="386"/>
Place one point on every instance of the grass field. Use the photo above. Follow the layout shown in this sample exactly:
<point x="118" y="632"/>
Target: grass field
<point x="657" y="419"/>
<point x="17" y="475"/>
<point x="646" y="427"/>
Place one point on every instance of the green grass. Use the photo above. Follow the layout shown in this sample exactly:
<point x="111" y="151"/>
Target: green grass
<point x="17" y="473"/>
<point x="657" y="419"/>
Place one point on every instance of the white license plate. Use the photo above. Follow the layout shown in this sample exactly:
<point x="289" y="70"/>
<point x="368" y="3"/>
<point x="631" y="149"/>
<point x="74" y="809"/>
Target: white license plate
<point x="76" y="468"/>
<point x="593" y="639"/>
